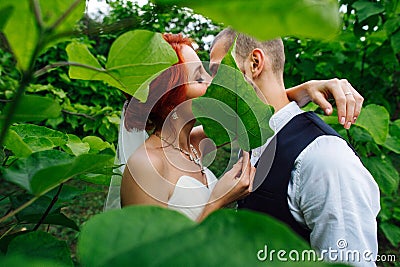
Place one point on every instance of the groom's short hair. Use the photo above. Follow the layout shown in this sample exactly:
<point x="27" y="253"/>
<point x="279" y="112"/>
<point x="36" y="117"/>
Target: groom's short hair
<point x="274" y="48"/>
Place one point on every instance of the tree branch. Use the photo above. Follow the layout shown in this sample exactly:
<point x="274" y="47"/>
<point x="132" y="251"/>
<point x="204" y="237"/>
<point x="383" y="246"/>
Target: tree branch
<point x="79" y="114"/>
<point x="52" y="203"/>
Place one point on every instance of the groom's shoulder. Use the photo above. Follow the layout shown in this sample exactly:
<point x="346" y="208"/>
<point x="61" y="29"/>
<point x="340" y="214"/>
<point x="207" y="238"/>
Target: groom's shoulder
<point x="326" y="152"/>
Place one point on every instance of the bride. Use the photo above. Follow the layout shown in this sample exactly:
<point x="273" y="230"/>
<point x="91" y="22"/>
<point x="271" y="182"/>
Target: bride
<point x="166" y="169"/>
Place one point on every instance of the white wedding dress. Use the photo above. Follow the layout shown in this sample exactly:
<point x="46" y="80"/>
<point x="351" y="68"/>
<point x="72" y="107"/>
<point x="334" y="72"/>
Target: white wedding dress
<point x="189" y="196"/>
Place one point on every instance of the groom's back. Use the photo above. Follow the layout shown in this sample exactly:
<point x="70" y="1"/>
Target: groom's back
<point x="275" y="166"/>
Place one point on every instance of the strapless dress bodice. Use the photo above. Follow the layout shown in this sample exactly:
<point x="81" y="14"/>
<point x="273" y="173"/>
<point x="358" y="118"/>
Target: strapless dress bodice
<point x="190" y="195"/>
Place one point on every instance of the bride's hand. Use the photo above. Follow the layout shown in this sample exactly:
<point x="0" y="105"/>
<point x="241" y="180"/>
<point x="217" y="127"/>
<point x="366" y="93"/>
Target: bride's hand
<point x="348" y="100"/>
<point x="236" y="183"/>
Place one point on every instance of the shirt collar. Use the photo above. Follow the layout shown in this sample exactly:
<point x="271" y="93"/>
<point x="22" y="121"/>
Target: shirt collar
<point x="283" y="116"/>
<point x="277" y="122"/>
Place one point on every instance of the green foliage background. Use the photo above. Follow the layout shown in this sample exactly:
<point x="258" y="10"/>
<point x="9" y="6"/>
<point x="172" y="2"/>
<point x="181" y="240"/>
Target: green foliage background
<point x="74" y="135"/>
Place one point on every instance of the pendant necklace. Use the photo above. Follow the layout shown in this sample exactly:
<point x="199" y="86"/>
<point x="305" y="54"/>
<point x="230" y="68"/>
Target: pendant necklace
<point x="195" y="158"/>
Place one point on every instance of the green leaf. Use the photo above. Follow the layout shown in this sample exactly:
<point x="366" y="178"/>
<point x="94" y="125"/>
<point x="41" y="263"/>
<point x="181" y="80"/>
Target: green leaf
<point x="366" y="9"/>
<point x="230" y="109"/>
<point x="45" y="247"/>
<point x="34" y="108"/>
<point x="79" y="53"/>
<point x="44" y="170"/>
<point x="393" y="139"/>
<point x="23" y="261"/>
<point x="270" y="19"/>
<point x="5" y="13"/>
<point x="44" y="179"/>
<point x="395" y="42"/>
<point x="75" y="146"/>
<point x="96" y="144"/>
<point x="39" y="138"/>
<point x="137" y="221"/>
<point x="15" y="143"/>
<point x="134" y="59"/>
<point x="375" y="119"/>
<point x="392" y="232"/>
<point x="35" y="211"/>
<point x="142" y="230"/>
<point x="53" y="10"/>
<point x="93" y="178"/>
<point x="22" y="30"/>
<point x="384" y="172"/>
<point x="22" y="171"/>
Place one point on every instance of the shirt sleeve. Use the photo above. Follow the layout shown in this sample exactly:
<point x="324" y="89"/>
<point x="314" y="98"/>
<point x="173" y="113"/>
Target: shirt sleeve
<point x="336" y="197"/>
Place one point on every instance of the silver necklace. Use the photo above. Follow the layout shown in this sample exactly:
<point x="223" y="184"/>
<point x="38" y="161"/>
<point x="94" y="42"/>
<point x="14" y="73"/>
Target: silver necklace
<point x="195" y="159"/>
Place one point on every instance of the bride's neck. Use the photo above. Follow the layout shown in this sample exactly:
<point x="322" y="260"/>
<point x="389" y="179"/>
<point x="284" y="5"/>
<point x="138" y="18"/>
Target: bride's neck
<point x="178" y="133"/>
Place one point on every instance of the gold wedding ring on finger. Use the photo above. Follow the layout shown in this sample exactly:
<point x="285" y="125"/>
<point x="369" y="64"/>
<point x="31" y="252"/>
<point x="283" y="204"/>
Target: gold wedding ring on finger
<point x="348" y="93"/>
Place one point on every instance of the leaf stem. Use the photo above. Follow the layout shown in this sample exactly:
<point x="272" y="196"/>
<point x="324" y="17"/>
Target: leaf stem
<point x="49" y="67"/>
<point x="64" y="15"/>
<point x="38" y="14"/>
<point x="9" y="230"/>
<point x="351" y="140"/>
<point x="14" y="104"/>
<point x="26" y="204"/>
<point x="52" y="203"/>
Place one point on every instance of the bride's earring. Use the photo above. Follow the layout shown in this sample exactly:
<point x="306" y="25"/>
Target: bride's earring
<point x="174" y="115"/>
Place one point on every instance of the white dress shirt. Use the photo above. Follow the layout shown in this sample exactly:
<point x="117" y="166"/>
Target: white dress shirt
<point x="332" y="194"/>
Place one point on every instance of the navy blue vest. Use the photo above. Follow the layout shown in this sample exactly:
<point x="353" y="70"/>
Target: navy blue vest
<point x="276" y="164"/>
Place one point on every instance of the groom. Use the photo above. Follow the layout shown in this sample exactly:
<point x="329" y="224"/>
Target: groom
<point x="307" y="175"/>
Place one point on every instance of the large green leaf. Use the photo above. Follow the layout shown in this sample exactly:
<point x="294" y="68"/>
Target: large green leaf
<point x="154" y="236"/>
<point x="393" y="139"/>
<point x="366" y="9"/>
<point x="44" y="170"/>
<point x="22" y="30"/>
<point x="23" y="261"/>
<point x="34" y="108"/>
<point x="375" y="119"/>
<point x="134" y="58"/>
<point x="45" y="246"/>
<point x="270" y="19"/>
<point x="392" y="232"/>
<point x="15" y="143"/>
<point x="230" y="109"/>
<point x="39" y="138"/>
<point x="126" y="229"/>
<point x="384" y="172"/>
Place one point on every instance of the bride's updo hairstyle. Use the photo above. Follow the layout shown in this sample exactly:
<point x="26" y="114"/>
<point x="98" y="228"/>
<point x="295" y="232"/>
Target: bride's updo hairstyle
<point x="166" y="92"/>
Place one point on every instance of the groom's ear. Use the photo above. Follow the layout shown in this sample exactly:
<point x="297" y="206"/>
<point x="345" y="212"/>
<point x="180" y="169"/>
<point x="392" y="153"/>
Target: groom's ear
<point x="257" y="62"/>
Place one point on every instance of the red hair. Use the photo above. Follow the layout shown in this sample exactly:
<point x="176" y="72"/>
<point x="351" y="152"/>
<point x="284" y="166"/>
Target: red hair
<point x="166" y="92"/>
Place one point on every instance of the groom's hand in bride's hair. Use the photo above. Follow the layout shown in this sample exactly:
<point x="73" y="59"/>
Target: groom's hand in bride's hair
<point x="236" y="183"/>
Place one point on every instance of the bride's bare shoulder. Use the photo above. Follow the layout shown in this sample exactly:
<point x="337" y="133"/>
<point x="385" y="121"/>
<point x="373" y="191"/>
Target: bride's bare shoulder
<point x="146" y="158"/>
